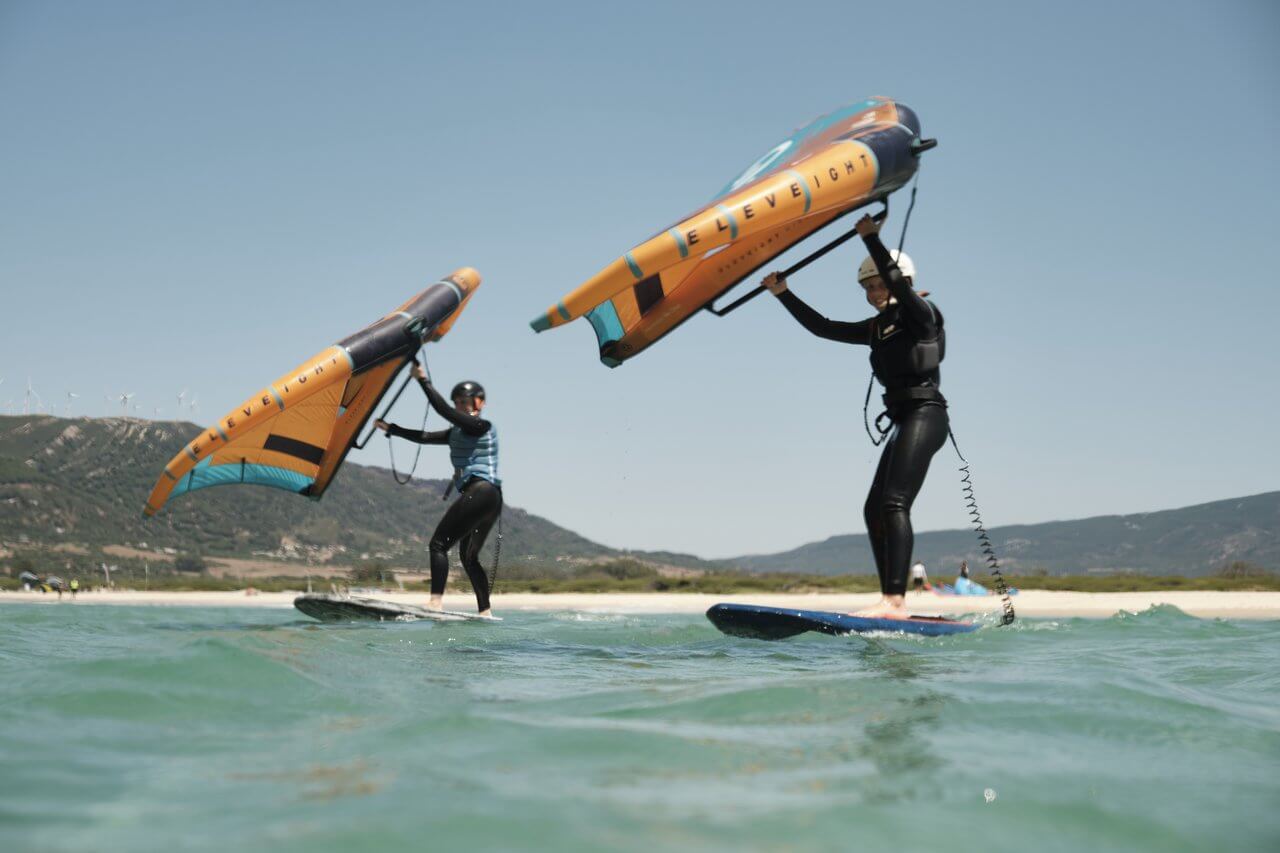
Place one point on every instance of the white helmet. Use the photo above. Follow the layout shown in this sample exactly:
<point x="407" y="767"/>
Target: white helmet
<point x="868" y="268"/>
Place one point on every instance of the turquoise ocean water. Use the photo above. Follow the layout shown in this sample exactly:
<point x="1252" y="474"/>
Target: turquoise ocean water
<point x="133" y="728"/>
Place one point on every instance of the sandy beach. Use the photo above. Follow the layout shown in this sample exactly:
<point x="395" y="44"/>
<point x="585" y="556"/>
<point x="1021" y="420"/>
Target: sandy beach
<point x="1030" y="603"/>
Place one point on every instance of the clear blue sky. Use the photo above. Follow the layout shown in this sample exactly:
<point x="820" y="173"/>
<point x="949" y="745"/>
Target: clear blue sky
<point x="203" y="195"/>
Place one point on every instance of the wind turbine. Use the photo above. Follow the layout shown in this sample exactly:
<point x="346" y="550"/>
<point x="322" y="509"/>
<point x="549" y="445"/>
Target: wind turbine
<point x="195" y="404"/>
<point x="26" y="400"/>
<point x="71" y="395"/>
<point x="181" y="395"/>
<point x="124" y="403"/>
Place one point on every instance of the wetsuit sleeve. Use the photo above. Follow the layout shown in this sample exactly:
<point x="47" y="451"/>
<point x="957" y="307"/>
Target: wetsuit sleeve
<point x="469" y="424"/>
<point x="440" y="436"/>
<point x="910" y="303"/>
<point x="832" y="330"/>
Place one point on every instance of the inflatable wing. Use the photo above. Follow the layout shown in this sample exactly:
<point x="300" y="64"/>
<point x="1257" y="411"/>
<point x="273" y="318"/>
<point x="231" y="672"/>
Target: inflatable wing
<point x="295" y="433"/>
<point x="843" y="161"/>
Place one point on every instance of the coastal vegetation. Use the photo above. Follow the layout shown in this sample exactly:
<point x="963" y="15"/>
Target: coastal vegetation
<point x="622" y="575"/>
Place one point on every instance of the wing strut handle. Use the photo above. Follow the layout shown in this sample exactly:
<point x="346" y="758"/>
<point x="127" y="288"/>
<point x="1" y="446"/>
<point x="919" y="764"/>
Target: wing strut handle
<point x="359" y="445"/>
<point x="799" y="265"/>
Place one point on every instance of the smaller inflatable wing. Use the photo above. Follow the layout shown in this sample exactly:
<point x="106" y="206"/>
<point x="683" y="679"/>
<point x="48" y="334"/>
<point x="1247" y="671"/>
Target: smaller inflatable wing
<point x="295" y="433"/>
<point x="838" y="163"/>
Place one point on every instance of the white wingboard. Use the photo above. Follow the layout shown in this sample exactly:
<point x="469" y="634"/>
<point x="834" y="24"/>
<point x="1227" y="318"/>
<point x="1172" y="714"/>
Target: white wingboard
<point x="342" y="608"/>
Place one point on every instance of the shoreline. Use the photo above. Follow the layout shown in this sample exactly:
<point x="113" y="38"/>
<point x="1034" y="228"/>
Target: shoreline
<point x="1030" y="603"/>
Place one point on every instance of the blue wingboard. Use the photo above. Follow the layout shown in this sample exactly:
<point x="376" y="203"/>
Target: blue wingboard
<point x="776" y="623"/>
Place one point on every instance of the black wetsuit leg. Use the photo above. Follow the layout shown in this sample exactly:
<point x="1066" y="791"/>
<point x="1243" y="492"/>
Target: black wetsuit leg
<point x="468" y="521"/>
<point x="919" y="433"/>
<point x="873" y="515"/>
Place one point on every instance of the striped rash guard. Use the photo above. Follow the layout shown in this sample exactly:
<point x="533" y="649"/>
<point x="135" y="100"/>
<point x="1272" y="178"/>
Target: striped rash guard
<point x="473" y="441"/>
<point x="474" y="456"/>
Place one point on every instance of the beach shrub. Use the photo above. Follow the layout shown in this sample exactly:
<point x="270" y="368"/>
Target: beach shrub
<point x="372" y="572"/>
<point x="1243" y="569"/>
<point x="621" y="570"/>
<point x="192" y="564"/>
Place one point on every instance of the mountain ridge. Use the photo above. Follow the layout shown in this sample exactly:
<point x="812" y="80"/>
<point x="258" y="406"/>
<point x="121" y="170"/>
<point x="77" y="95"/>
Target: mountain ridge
<point x="1190" y="540"/>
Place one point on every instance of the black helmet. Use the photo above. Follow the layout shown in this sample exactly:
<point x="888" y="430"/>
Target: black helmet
<point x="467" y="389"/>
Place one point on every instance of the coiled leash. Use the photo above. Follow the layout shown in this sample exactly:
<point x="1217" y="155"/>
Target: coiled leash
<point x="497" y="553"/>
<point x="984" y="540"/>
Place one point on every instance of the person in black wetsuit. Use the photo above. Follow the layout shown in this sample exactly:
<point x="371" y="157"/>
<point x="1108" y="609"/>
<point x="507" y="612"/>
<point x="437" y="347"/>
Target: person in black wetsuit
<point x="907" y="345"/>
<point x="473" y="448"/>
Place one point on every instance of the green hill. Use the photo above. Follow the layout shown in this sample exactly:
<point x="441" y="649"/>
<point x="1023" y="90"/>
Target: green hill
<point x="84" y="481"/>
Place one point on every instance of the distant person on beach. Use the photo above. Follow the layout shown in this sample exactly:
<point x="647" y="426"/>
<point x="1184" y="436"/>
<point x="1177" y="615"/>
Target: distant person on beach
<point x="473" y="447"/>
<point x="907" y="346"/>
<point x="919" y="578"/>
<point x="964" y="586"/>
<point x="75" y="587"/>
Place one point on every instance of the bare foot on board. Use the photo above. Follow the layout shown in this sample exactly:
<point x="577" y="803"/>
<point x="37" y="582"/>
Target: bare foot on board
<point x="888" y="607"/>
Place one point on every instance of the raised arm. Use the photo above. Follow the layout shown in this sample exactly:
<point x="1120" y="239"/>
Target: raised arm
<point x="470" y="424"/>
<point x="910" y="302"/>
<point x="832" y="330"/>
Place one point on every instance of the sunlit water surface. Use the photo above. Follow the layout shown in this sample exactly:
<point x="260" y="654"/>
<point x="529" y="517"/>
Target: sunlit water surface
<point x="135" y="728"/>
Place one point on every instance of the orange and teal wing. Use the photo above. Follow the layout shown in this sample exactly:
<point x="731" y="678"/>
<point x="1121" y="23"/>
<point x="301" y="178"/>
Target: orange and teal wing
<point x="295" y="433"/>
<point x="838" y="163"/>
<point x="636" y="318"/>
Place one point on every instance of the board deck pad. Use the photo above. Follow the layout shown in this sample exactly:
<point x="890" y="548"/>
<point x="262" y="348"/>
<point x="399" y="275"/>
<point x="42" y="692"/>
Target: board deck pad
<point x="343" y="608"/>
<point x="777" y="623"/>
